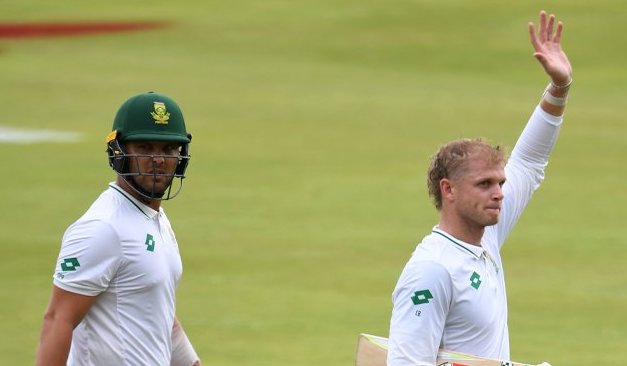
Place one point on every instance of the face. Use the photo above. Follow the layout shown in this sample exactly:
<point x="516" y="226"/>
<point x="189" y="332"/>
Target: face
<point x="476" y="196"/>
<point x="153" y="170"/>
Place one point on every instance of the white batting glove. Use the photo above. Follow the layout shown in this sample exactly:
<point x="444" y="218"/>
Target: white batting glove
<point x="544" y="364"/>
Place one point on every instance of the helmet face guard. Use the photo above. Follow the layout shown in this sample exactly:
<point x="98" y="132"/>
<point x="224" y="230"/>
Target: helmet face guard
<point x="148" y="117"/>
<point x="121" y="162"/>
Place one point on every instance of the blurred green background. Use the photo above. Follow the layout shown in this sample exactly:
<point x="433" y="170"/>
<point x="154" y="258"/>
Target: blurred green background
<point x="313" y="124"/>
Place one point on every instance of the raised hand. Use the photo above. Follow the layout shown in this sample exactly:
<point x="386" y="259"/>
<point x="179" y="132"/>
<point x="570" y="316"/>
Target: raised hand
<point x="548" y="50"/>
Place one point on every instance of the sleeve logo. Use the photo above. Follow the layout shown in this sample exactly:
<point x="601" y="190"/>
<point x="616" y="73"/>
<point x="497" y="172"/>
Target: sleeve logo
<point x="70" y="264"/>
<point x="421" y="297"/>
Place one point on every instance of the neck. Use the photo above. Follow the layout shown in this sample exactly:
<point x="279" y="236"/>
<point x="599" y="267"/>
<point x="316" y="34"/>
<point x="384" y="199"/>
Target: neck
<point x="152" y="203"/>
<point x="470" y="234"/>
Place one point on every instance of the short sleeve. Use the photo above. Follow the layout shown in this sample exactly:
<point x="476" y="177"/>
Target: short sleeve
<point x="421" y="303"/>
<point x="89" y="258"/>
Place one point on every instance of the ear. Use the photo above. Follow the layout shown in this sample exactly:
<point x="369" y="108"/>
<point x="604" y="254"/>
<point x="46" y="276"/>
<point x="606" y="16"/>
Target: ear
<point x="447" y="190"/>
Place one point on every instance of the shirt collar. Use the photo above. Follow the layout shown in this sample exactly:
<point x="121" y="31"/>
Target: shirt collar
<point x="142" y="207"/>
<point x="475" y="250"/>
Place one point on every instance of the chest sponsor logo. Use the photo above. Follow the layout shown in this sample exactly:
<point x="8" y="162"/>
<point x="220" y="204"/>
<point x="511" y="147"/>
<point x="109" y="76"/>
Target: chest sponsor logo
<point x="421" y="297"/>
<point x="150" y="243"/>
<point x="475" y="280"/>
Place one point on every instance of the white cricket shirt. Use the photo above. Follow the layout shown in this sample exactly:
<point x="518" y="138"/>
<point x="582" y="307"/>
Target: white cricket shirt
<point x="451" y="294"/>
<point x="125" y="253"/>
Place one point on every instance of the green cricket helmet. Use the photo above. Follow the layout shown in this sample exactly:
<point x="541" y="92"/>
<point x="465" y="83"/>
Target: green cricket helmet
<point x="148" y="117"/>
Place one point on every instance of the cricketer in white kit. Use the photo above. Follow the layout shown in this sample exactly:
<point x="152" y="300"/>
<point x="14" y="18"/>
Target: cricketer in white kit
<point x="451" y="293"/>
<point x="114" y="288"/>
<point x="132" y="263"/>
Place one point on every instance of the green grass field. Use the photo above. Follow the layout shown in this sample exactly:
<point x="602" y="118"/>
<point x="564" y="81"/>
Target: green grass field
<point x="313" y="123"/>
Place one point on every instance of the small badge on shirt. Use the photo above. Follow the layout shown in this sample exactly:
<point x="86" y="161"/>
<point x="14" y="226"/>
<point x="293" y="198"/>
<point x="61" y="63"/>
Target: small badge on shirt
<point x="475" y="280"/>
<point x="150" y="243"/>
<point x="68" y="265"/>
<point x="421" y="297"/>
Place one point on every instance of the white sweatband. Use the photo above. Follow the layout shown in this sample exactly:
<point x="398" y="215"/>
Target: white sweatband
<point x="551" y="99"/>
<point x="183" y="353"/>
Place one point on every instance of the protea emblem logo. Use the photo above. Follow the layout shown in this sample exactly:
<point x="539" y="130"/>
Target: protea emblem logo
<point x="161" y="115"/>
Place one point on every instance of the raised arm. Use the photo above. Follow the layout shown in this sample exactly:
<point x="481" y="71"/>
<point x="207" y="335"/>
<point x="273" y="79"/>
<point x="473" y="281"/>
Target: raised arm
<point x="528" y="160"/>
<point x="546" y="43"/>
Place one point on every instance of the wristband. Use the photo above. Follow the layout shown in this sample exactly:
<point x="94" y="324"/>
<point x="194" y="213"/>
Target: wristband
<point x="562" y="87"/>
<point x="551" y="99"/>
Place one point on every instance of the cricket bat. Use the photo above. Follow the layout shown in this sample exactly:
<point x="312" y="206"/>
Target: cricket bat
<point x="373" y="350"/>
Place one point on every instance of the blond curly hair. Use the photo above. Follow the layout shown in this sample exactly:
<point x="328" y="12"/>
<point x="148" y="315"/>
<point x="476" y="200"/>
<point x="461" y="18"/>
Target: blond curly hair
<point x="451" y="161"/>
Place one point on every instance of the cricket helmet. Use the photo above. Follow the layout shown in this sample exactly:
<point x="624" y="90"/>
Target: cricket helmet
<point x="148" y="117"/>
